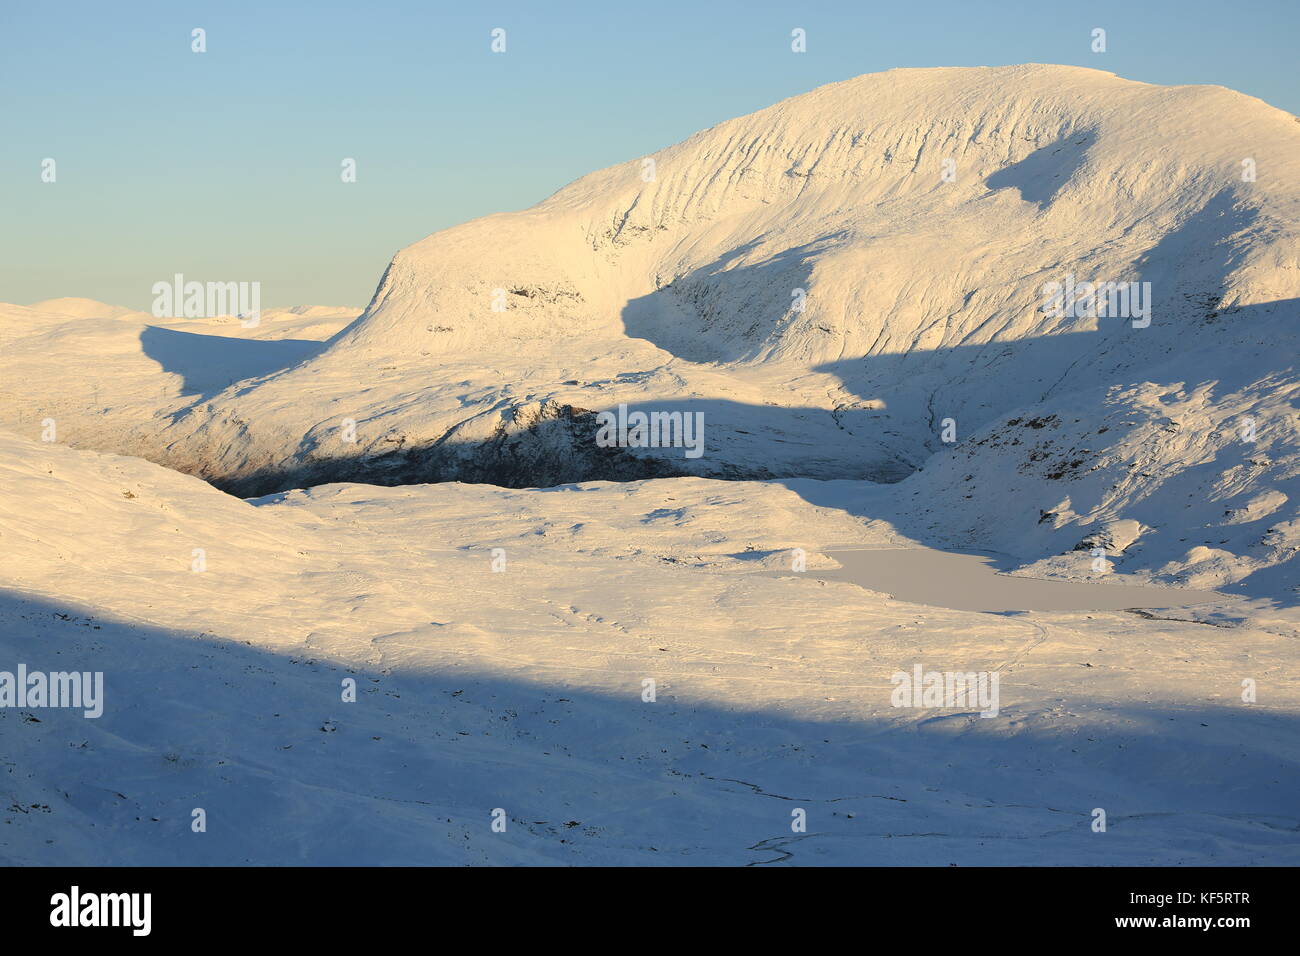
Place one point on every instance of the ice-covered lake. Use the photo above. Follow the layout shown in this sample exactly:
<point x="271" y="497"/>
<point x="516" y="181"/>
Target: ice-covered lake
<point x="973" y="582"/>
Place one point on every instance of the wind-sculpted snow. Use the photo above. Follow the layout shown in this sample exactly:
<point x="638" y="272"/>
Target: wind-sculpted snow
<point x="840" y="284"/>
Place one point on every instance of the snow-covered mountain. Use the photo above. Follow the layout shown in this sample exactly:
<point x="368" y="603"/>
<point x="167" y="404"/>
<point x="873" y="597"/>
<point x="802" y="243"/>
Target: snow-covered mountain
<point x="850" y="288"/>
<point x="839" y="283"/>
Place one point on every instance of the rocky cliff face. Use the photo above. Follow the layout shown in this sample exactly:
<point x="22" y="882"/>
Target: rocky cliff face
<point x="539" y="444"/>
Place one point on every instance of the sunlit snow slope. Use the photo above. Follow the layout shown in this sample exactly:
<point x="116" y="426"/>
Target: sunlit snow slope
<point x="830" y="281"/>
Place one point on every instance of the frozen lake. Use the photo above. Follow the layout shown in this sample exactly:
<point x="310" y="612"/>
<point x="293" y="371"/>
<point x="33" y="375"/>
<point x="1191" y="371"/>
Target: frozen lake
<point x="972" y="582"/>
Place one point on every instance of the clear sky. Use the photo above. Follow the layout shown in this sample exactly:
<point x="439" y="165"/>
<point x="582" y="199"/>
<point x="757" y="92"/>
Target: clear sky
<point x="225" y="165"/>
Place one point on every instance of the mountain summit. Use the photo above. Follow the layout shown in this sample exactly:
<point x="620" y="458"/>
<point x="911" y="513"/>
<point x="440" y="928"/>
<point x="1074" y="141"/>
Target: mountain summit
<point x="856" y="283"/>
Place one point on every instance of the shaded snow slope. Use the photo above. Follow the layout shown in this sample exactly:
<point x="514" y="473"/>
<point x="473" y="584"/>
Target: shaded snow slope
<point x="523" y="689"/>
<point x="108" y="377"/>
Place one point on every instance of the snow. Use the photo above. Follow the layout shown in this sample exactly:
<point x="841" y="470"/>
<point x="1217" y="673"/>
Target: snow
<point x="522" y="688"/>
<point x="923" y="302"/>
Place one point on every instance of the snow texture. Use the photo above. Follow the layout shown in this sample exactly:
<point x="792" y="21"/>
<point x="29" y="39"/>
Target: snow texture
<point x="809" y="279"/>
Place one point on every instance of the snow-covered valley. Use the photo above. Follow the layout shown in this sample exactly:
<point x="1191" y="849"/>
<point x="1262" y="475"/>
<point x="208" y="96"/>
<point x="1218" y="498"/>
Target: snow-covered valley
<point x="523" y="689"/>
<point x="635" y="656"/>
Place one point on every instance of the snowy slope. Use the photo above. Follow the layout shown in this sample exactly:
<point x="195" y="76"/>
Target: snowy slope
<point x="100" y="372"/>
<point x="922" y="303"/>
<point x="522" y="689"/>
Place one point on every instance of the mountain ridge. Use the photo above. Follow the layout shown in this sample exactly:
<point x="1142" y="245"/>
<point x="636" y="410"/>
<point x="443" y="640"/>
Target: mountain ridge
<point x="828" y="291"/>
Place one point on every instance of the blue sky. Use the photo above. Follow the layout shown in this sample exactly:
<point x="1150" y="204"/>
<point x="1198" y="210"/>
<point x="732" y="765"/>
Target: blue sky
<point x="225" y="165"/>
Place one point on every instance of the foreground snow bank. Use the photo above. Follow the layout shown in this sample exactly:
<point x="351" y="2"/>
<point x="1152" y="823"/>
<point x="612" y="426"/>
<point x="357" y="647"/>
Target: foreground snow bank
<point x="524" y="689"/>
